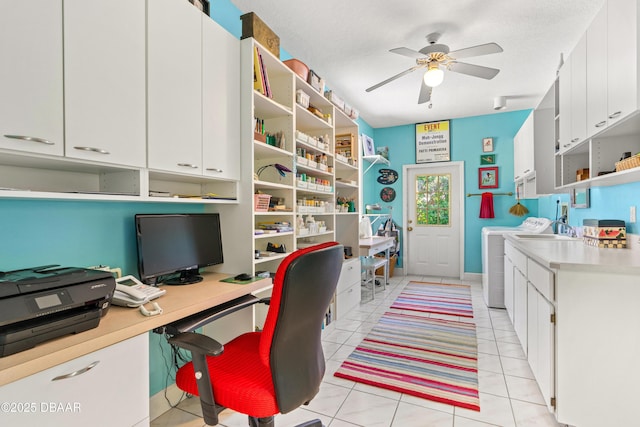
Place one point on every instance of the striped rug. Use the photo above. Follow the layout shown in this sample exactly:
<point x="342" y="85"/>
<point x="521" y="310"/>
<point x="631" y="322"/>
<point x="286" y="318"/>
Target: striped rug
<point x="433" y="359"/>
<point x="440" y="298"/>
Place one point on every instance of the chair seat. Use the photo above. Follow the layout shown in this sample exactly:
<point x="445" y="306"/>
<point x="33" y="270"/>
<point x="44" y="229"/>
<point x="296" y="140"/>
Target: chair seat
<point x="240" y="380"/>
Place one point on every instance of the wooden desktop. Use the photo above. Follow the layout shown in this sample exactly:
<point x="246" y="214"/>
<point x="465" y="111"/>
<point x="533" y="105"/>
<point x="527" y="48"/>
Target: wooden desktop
<point x="122" y="323"/>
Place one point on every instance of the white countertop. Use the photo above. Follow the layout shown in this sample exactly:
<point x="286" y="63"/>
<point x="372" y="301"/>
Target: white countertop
<point x="574" y="254"/>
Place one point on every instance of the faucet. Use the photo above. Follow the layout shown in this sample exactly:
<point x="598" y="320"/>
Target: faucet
<point x="566" y="228"/>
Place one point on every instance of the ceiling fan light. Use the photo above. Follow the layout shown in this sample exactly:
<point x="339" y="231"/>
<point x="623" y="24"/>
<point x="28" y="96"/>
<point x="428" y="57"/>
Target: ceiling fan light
<point x="433" y="77"/>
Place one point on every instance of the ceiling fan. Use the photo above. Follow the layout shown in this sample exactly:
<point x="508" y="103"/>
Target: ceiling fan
<point x="434" y="57"/>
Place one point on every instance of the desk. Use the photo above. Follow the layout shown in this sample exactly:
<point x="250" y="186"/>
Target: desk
<point x="373" y="245"/>
<point x="376" y="244"/>
<point x="122" y="323"/>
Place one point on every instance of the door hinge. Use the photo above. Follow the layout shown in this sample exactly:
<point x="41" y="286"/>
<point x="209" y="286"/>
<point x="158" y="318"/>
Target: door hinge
<point x="553" y="402"/>
<point x="553" y="318"/>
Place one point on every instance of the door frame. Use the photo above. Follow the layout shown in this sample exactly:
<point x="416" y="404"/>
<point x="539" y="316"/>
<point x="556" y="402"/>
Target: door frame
<point x="405" y="202"/>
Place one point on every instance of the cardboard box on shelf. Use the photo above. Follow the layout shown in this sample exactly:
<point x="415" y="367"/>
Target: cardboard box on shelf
<point x="253" y="26"/>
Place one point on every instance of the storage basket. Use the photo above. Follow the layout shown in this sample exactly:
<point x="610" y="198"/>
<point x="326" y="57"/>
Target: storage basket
<point x="628" y="163"/>
<point x="261" y="202"/>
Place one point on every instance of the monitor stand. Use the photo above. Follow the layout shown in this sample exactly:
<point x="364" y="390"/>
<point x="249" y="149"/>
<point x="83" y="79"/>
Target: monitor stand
<point x="186" y="277"/>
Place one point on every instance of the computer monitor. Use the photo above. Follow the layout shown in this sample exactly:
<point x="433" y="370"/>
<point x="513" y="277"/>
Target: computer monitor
<point x="173" y="247"/>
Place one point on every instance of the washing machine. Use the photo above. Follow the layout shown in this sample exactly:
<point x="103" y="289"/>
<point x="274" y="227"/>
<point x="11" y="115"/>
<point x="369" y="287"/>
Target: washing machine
<point x="493" y="256"/>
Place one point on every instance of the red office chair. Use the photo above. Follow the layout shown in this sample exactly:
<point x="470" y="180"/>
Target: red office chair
<point x="280" y="368"/>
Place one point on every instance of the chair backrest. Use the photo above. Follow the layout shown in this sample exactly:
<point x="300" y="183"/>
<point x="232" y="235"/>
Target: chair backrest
<point x="290" y="344"/>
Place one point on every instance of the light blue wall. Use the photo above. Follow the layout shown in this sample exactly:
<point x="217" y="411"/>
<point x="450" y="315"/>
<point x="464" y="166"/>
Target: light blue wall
<point x="606" y="203"/>
<point x="466" y="145"/>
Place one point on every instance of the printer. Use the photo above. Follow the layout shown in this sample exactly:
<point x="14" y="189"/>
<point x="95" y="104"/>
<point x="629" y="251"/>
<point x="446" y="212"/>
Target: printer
<point x="41" y="303"/>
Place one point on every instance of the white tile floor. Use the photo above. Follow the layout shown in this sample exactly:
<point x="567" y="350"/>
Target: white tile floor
<point x="509" y="395"/>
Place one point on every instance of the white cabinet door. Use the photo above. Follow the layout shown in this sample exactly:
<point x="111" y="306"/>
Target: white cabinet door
<point x="520" y="307"/>
<point x="508" y="286"/>
<point x="220" y="101"/>
<point x="104" y="80"/>
<point x="111" y="388"/>
<point x="523" y="148"/>
<point x="546" y="350"/>
<point x="541" y="343"/>
<point x="579" y="91"/>
<point x="31" y="109"/>
<point x="564" y="106"/>
<point x="622" y="51"/>
<point x="174" y="86"/>
<point x="597" y="73"/>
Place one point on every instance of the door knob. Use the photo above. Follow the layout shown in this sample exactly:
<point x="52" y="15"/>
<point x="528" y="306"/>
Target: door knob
<point x="409" y="228"/>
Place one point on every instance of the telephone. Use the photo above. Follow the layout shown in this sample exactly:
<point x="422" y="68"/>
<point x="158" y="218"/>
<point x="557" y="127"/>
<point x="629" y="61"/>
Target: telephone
<point x="130" y="292"/>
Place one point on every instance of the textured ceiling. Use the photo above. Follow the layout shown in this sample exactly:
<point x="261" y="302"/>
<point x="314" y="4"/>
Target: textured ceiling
<point x="347" y="43"/>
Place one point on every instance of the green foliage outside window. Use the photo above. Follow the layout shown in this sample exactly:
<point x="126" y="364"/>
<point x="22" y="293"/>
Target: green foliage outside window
<point x="432" y="199"/>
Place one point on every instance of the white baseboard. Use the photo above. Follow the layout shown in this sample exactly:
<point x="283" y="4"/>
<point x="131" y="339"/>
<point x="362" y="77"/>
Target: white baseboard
<point x="158" y="404"/>
<point x="472" y="277"/>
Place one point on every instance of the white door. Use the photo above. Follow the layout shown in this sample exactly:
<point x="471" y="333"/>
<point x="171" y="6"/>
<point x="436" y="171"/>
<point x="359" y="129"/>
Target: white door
<point x="433" y="219"/>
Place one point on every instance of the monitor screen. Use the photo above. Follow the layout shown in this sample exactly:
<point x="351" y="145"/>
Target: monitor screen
<point x="177" y="246"/>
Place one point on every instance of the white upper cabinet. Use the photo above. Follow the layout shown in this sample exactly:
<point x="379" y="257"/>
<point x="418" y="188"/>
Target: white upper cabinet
<point x="31" y="106"/>
<point x="579" y="92"/>
<point x="220" y="102"/>
<point x="597" y="73"/>
<point x="622" y="51"/>
<point x="104" y="81"/>
<point x="564" y="102"/>
<point x="523" y="148"/>
<point x="174" y="86"/>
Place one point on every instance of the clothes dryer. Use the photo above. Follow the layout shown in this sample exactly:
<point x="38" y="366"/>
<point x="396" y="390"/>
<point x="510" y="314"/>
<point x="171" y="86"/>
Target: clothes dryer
<point x="493" y="256"/>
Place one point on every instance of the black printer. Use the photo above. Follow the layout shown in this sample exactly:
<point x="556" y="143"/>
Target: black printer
<point x="41" y="303"/>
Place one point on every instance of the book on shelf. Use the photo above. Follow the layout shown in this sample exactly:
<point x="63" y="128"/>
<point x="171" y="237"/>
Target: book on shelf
<point x="260" y="76"/>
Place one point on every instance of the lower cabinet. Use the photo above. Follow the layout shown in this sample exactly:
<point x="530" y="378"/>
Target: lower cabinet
<point x="529" y="299"/>
<point x="109" y="387"/>
<point x="541" y="342"/>
<point x="348" y="290"/>
<point x="520" y="307"/>
<point x="508" y="286"/>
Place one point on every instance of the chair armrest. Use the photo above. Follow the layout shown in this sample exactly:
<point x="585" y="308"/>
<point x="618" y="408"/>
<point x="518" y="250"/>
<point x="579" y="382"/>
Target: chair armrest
<point x="197" y="343"/>
<point x="265" y="300"/>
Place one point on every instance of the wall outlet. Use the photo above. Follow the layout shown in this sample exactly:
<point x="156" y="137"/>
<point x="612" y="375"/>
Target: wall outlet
<point x="632" y="214"/>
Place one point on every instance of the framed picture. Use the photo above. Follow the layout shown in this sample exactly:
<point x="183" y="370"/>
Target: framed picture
<point x="367" y="146"/>
<point x="488" y="177"/>
<point x="487" y="145"/>
<point x="488" y="159"/>
<point x="433" y="142"/>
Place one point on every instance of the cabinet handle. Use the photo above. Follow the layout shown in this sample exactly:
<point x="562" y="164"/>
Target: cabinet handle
<point x="76" y="373"/>
<point x="602" y="123"/>
<point x="527" y="171"/>
<point x="188" y="165"/>
<point x="215" y="170"/>
<point x="516" y="178"/>
<point x="95" y="150"/>
<point x="566" y="145"/>
<point x="575" y="140"/>
<point x="30" y="138"/>
<point x="614" y="115"/>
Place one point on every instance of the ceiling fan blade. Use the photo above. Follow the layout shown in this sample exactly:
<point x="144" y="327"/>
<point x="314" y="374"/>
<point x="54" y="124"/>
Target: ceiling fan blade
<point x="425" y="93"/>
<point x="482" y="49"/>
<point x="405" y="51"/>
<point x="473" y="70"/>
<point x="390" y="79"/>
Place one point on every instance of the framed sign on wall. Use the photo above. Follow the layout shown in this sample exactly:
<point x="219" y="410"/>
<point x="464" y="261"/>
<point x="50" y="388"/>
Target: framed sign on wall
<point x="488" y="177"/>
<point x="433" y="143"/>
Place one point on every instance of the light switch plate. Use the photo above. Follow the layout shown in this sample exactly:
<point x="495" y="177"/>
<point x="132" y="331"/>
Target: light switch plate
<point x="632" y="214"/>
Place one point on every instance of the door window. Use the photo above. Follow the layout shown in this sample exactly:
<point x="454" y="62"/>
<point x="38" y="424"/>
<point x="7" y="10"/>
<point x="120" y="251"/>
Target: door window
<point x="433" y="201"/>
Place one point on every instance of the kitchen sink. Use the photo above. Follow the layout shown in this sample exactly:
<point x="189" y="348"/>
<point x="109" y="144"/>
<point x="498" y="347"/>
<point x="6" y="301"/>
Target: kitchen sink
<point x="545" y="237"/>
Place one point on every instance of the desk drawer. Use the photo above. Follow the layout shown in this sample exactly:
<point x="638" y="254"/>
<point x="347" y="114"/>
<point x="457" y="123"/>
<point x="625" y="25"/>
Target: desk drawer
<point x="349" y="275"/>
<point x="347" y="300"/>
